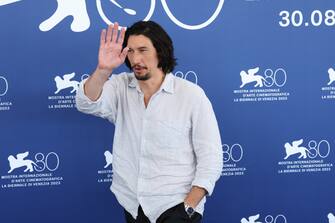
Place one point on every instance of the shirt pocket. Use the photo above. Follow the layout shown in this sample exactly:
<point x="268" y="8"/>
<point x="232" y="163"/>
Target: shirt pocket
<point x="169" y="134"/>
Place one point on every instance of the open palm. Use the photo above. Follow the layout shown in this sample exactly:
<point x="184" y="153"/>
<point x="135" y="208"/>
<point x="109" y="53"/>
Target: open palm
<point x="111" y="54"/>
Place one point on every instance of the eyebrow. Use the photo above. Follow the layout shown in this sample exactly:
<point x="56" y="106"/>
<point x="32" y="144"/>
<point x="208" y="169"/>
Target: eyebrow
<point x="139" y="48"/>
<point x="142" y="48"/>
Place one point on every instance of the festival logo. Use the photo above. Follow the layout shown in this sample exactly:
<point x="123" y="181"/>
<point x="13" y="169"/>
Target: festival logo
<point x="280" y="218"/>
<point x="65" y="88"/>
<point x="252" y="76"/>
<point x="251" y="219"/>
<point x="306" y="157"/>
<point x="296" y="148"/>
<point x="261" y="86"/>
<point x="66" y="82"/>
<point x="35" y="171"/>
<point x="20" y="161"/>
<point x="74" y="8"/>
<point x="106" y="175"/>
<point x="130" y="11"/>
<point x="108" y="158"/>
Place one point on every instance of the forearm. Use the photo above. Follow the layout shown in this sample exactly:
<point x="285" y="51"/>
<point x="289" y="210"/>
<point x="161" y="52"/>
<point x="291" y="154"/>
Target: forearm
<point x="207" y="146"/>
<point x="195" y="196"/>
<point x="93" y="86"/>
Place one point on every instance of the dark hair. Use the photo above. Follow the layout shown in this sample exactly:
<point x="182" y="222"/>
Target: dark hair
<point x="160" y="40"/>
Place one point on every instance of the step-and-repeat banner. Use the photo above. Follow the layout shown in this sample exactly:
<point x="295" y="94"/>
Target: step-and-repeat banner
<point x="268" y="66"/>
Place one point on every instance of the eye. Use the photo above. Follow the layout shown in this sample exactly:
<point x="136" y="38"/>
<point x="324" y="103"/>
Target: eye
<point x="142" y="50"/>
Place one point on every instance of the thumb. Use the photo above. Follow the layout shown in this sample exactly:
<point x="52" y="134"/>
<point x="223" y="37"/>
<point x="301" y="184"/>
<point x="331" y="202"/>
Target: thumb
<point x="124" y="52"/>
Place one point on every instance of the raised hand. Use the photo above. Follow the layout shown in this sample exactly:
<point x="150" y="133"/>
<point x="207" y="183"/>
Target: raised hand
<point x="111" y="54"/>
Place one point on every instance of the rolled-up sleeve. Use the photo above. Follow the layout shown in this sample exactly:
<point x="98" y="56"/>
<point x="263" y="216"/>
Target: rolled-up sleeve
<point x="105" y="106"/>
<point x="207" y="145"/>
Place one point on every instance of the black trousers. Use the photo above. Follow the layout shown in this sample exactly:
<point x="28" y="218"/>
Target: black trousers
<point x="175" y="214"/>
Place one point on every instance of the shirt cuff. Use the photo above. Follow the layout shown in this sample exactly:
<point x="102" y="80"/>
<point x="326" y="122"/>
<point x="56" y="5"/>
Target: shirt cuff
<point x="209" y="187"/>
<point x="81" y="94"/>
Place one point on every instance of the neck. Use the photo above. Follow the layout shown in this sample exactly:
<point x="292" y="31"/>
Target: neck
<point x="149" y="87"/>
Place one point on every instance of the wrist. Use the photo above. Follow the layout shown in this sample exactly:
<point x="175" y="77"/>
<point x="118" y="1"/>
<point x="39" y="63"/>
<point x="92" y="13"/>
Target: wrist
<point x="190" y="203"/>
<point x="189" y="209"/>
<point x="102" y="74"/>
<point x="195" y="196"/>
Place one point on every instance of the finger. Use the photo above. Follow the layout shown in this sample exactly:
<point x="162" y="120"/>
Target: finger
<point x="115" y="32"/>
<point x="122" y="34"/>
<point x="109" y="33"/>
<point x="102" y="37"/>
<point x="124" y="53"/>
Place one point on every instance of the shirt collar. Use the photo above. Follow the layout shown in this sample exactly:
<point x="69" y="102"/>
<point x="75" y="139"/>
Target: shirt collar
<point x="167" y="85"/>
<point x="132" y="80"/>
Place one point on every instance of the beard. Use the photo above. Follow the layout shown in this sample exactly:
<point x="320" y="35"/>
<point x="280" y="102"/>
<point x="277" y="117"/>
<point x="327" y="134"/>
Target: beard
<point x="140" y="77"/>
<point x="144" y="77"/>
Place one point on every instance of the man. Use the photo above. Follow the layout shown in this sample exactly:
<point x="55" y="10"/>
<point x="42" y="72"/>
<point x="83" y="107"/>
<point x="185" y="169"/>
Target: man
<point x="167" y="150"/>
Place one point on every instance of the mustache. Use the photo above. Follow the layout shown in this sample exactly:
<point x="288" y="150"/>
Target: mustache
<point x="138" y="66"/>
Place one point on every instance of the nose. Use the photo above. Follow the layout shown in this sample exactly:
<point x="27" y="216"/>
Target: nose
<point x="135" y="58"/>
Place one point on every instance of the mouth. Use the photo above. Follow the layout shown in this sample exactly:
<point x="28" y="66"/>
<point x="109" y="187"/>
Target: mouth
<point x="139" y="69"/>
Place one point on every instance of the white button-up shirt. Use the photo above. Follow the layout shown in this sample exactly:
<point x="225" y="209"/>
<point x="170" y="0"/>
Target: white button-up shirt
<point x="162" y="150"/>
